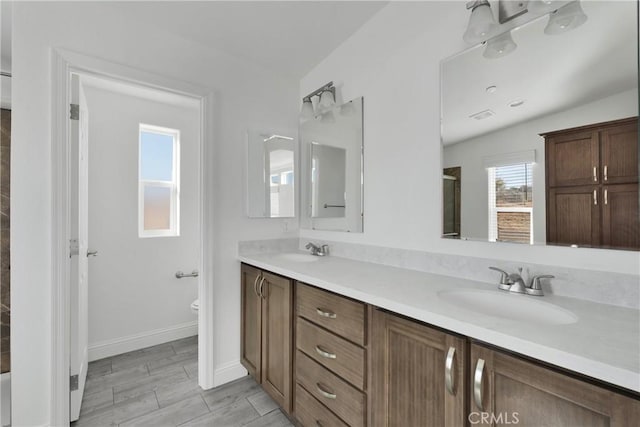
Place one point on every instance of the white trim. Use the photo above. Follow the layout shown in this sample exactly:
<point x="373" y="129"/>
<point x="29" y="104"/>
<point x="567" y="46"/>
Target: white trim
<point x="228" y="372"/>
<point x="112" y="347"/>
<point x="63" y="62"/>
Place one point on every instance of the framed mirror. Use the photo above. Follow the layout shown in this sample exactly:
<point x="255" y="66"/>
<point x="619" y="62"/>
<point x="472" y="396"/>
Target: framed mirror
<point x="331" y="147"/>
<point x="534" y="127"/>
<point x="271" y="170"/>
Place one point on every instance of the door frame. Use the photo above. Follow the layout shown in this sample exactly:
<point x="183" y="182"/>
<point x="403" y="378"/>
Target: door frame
<point x="64" y="63"/>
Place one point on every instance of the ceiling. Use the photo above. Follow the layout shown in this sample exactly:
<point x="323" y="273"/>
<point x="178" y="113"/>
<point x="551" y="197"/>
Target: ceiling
<point x="549" y="73"/>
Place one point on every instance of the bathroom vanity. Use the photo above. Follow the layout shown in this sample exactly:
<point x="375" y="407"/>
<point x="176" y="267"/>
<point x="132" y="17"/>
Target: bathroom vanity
<point x="362" y="344"/>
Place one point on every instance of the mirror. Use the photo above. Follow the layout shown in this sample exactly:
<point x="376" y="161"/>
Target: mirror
<point x="530" y="136"/>
<point x="331" y="161"/>
<point x="270" y="175"/>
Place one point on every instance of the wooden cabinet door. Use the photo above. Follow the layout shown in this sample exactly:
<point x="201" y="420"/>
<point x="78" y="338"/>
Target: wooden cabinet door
<point x="250" y="321"/>
<point x="408" y="370"/>
<point x="573" y="159"/>
<point x="620" y="154"/>
<point x="512" y="391"/>
<point x="620" y="216"/>
<point x="277" y="339"/>
<point x="573" y="215"/>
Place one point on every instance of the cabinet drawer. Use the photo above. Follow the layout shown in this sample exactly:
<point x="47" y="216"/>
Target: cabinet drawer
<point x="337" y="354"/>
<point x="336" y="394"/>
<point x="340" y="315"/>
<point x="311" y="413"/>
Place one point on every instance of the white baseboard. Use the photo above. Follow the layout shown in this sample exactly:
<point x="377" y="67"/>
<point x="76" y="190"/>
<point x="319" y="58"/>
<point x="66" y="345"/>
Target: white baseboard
<point x="228" y="372"/>
<point x="108" y="348"/>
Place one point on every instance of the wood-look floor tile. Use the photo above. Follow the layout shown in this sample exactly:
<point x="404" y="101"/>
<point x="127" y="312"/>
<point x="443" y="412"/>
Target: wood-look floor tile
<point x="147" y="384"/>
<point x="230" y="393"/>
<point x="141" y="357"/>
<point x="272" y="419"/>
<point x="96" y="384"/>
<point x="171" y="393"/>
<point x="99" y="367"/>
<point x="180" y="360"/>
<point x="262" y="402"/>
<point x="185" y="345"/>
<point x="192" y="370"/>
<point x="237" y="414"/>
<point x="95" y="401"/>
<point x="119" y="412"/>
<point x="172" y="415"/>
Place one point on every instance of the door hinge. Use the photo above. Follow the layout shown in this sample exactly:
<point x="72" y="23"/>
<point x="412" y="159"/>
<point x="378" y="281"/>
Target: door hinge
<point x="74" y="247"/>
<point x="74" y="111"/>
<point x="73" y="383"/>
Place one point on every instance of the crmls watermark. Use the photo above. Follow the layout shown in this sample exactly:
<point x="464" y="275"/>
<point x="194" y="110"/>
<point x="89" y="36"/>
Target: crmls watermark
<point x="502" y="418"/>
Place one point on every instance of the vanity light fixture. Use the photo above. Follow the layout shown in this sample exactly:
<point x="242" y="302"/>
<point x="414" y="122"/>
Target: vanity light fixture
<point x="326" y="99"/>
<point x="482" y="24"/>
<point x="565" y="19"/>
<point x="499" y="46"/>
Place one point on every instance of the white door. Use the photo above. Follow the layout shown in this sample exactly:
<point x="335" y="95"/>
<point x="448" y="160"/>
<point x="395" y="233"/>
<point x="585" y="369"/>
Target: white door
<point x="79" y="151"/>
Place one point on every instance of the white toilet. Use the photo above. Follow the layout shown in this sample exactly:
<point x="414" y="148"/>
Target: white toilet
<point x="194" y="307"/>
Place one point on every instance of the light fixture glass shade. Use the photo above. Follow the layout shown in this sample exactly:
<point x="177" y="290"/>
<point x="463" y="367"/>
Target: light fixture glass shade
<point x="499" y="46"/>
<point x="306" y="112"/>
<point x="482" y="24"/>
<point x="326" y="100"/>
<point x="565" y="19"/>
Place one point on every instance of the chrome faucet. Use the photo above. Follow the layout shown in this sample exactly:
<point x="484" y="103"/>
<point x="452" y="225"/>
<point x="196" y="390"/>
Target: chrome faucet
<point x="318" y="250"/>
<point x="515" y="283"/>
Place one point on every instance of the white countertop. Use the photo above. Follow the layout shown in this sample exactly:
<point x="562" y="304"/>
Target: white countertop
<point x="604" y="343"/>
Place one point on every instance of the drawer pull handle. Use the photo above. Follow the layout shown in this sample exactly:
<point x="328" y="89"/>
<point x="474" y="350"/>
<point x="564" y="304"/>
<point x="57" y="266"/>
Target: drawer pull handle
<point x="595" y="174"/>
<point x="327" y="314"/>
<point x="324" y="353"/>
<point x="449" y="381"/>
<point x="477" y="384"/>
<point x="324" y="392"/>
<point x="606" y="174"/>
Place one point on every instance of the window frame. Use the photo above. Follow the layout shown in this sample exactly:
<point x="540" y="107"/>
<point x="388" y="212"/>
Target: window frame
<point x="173" y="185"/>
<point x="494" y="210"/>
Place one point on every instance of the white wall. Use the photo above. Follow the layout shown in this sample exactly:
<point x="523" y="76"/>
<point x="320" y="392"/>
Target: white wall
<point x="394" y="62"/>
<point x="247" y="96"/>
<point x="132" y="287"/>
<point x="522" y="137"/>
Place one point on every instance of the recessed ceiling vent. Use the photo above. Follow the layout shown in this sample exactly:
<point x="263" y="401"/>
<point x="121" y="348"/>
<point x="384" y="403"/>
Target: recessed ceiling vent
<point x="483" y="115"/>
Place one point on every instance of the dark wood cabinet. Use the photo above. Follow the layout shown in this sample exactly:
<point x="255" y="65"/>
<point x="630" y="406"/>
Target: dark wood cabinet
<point x="504" y="389"/>
<point x="409" y="374"/>
<point x="591" y="178"/>
<point x="267" y="335"/>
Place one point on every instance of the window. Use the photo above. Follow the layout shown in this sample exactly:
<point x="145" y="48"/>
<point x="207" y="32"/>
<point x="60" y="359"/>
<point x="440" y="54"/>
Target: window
<point x="510" y="203"/>
<point x="158" y="182"/>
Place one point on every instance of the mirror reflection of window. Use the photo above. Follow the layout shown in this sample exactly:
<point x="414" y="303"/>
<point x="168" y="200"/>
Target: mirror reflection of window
<point x="511" y="203"/>
<point x="281" y="186"/>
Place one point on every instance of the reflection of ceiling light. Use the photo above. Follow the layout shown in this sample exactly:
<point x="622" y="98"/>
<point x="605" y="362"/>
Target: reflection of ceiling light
<point x="516" y="103"/>
<point x="565" y="19"/>
<point x="491" y="89"/>
<point x="483" y="115"/>
<point x="499" y="46"/>
<point x="482" y="24"/>
<point x="288" y="138"/>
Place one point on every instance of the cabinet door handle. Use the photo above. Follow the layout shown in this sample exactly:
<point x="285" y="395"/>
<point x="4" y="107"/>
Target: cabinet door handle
<point x="325" y="353"/>
<point x="449" y="381"/>
<point x="261" y="286"/>
<point x="595" y="174"/>
<point x="606" y="196"/>
<point x="595" y="197"/>
<point x="324" y="392"/>
<point x="477" y="384"/>
<point x="255" y="285"/>
<point x="324" y="313"/>
<point x="606" y="177"/>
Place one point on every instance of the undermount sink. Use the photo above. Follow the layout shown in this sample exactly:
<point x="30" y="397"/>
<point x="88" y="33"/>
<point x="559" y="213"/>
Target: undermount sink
<point x="295" y="257"/>
<point x="509" y="306"/>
